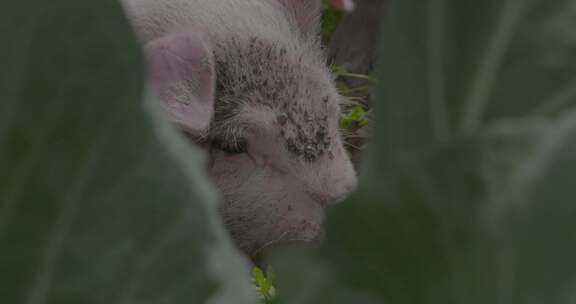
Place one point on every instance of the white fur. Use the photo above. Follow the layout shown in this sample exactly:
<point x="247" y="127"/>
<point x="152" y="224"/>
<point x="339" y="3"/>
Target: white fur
<point x="218" y="18"/>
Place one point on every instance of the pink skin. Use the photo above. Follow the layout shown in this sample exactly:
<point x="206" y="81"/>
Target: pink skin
<point x="169" y="60"/>
<point x="277" y="189"/>
<point x="270" y="196"/>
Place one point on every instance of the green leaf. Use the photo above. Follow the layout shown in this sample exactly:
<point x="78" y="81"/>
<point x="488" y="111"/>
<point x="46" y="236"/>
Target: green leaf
<point x="466" y="193"/>
<point x="355" y="118"/>
<point x="258" y="276"/>
<point x="101" y="201"/>
<point x="340" y="71"/>
<point x="330" y="19"/>
<point x="264" y="284"/>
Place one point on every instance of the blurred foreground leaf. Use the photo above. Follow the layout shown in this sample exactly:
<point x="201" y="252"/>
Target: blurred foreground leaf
<point x="100" y="200"/>
<point x="467" y="195"/>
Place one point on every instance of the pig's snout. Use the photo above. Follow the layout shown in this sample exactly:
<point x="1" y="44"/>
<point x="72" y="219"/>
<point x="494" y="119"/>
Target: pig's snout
<point x="336" y="180"/>
<point x="343" y="186"/>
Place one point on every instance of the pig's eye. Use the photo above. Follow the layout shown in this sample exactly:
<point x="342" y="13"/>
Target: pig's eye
<point x="236" y="147"/>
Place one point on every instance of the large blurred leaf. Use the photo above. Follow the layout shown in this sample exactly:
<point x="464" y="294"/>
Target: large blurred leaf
<point x="467" y="193"/>
<point x="95" y="205"/>
<point x="459" y="64"/>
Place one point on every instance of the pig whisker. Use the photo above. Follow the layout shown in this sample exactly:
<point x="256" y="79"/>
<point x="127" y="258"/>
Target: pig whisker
<point x="272" y="242"/>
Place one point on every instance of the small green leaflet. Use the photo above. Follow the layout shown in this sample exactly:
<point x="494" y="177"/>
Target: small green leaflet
<point x="264" y="284"/>
<point x="355" y="118"/>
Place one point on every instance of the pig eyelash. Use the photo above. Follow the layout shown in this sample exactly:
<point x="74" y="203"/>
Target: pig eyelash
<point x="237" y="147"/>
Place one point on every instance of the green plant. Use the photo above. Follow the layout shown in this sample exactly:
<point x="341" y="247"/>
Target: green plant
<point x="340" y="71"/>
<point x="330" y="19"/>
<point x="101" y="200"/>
<point x="352" y="94"/>
<point x="355" y="118"/>
<point x="465" y="195"/>
<point x="264" y="283"/>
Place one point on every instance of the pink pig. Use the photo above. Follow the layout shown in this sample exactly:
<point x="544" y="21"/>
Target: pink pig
<point x="247" y="81"/>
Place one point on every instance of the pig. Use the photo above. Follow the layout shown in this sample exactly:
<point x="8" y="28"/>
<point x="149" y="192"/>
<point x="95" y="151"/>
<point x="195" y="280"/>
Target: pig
<point x="247" y="81"/>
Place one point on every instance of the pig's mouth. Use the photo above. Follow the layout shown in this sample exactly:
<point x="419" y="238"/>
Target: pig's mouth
<point x="297" y="221"/>
<point x="306" y="234"/>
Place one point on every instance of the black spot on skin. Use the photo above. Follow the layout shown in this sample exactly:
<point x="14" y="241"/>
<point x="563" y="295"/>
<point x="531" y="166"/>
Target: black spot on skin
<point x="257" y="72"/>
<point x="331" y="155"/>
<point x="282" y="119"/>
<point x="310" y="153"/>
<point x="292" y="147"/>
<point x="321" y="135"/>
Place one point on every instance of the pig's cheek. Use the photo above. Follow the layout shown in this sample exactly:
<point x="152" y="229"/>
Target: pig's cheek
<point x="268" y="162"/>
<point x="228" y="165"/>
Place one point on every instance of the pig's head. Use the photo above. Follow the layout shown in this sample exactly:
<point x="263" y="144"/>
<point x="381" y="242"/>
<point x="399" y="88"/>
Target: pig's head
<point x="267" y="113"/>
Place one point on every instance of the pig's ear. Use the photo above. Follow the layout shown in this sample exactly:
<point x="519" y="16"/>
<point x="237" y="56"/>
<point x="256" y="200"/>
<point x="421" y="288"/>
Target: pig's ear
<point x="306" y="13"/>
<point x="181" y="70"/>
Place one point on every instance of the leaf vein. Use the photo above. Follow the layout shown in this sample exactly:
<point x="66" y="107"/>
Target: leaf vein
<point x="490" y="64"/>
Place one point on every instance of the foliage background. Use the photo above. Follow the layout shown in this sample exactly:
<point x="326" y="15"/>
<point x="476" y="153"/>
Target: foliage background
<point x="100" y="200"/>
